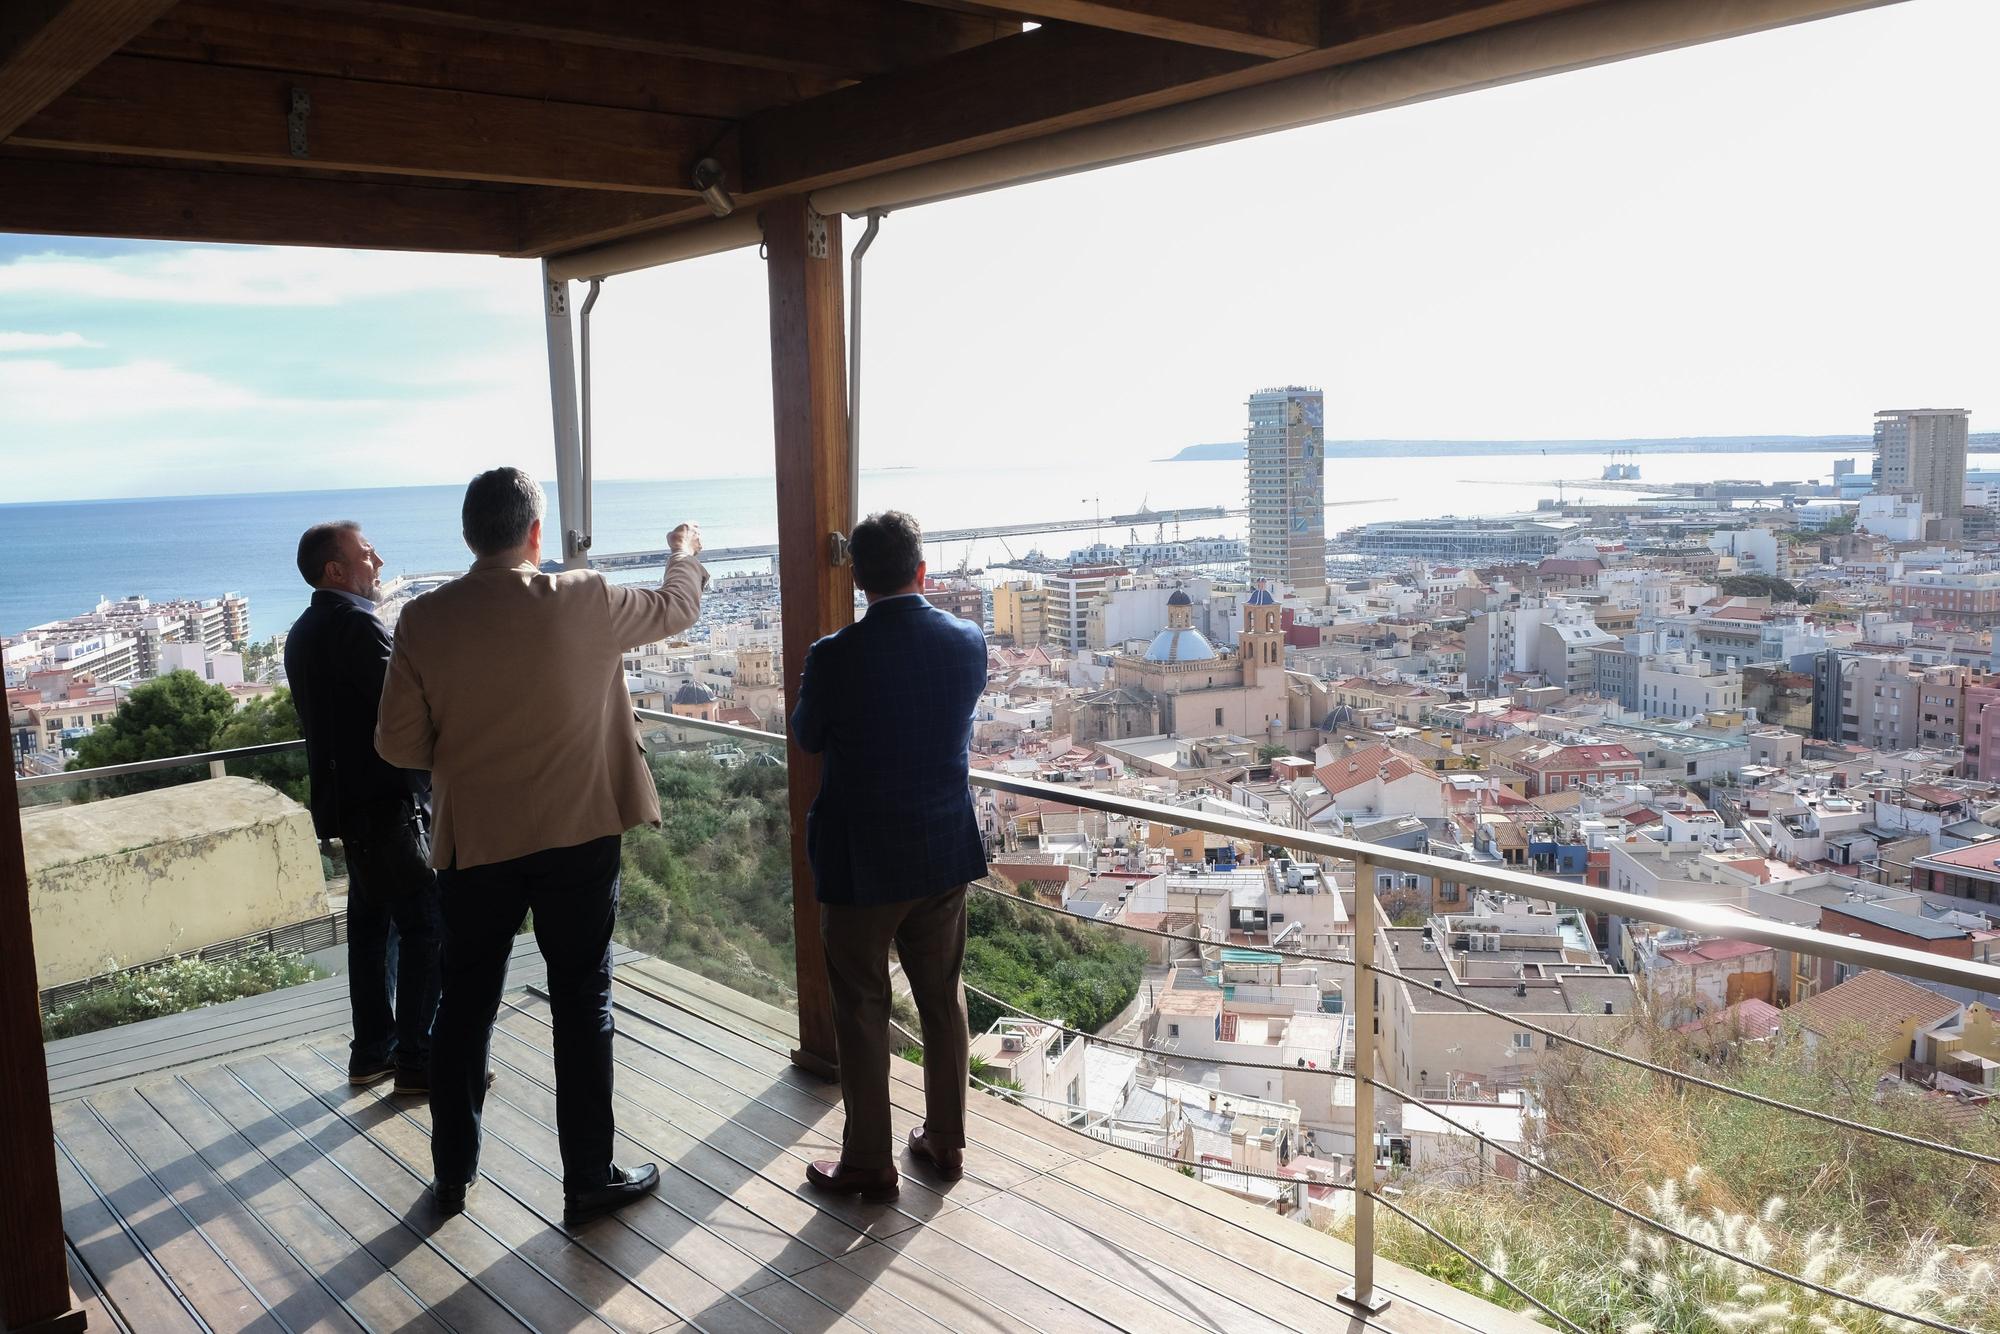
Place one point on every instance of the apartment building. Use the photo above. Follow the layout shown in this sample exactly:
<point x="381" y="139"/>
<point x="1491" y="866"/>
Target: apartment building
<point x="1067" y="599"/>
<point x="1967" y="597"/>
<point x="1688" y="685"/>
<point x="1020" y="613"/>
<point x="1286" y="468"/>
<point x="1921" y="452"/>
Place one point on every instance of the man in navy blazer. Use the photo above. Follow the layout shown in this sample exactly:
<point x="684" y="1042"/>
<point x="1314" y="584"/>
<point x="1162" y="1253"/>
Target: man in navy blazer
<point x="893" y="842"/>
<point x="335" y="658"/>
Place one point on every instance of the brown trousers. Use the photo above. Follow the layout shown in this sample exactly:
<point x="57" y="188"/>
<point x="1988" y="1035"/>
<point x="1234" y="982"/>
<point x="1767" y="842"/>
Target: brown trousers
<point x="929" y="935"/>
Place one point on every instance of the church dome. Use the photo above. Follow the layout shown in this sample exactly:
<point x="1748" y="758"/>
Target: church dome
<point x="694" y="692"/>
<point x="1262" y="598"/>
<point x="1179" y="598"/>
<point x="1180" y="645"/>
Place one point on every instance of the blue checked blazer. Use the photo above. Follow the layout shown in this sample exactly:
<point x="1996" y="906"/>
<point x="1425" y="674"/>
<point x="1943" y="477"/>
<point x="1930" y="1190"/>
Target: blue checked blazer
<point x="889" y="702"/>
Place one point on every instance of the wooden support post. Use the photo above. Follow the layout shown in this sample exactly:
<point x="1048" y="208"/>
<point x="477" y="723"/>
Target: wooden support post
<point x="809" y="422"/>
<point x="34" y="1277"/>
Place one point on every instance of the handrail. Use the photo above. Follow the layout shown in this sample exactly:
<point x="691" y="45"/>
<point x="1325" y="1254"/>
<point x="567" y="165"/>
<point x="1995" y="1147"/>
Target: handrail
<point x="1689" y="916"/>
<point x="148" y="766"/>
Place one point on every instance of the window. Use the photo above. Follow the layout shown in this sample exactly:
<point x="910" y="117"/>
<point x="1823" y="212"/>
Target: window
<point x="1524" y="1042"/>
<point x="1173" y="1030"/>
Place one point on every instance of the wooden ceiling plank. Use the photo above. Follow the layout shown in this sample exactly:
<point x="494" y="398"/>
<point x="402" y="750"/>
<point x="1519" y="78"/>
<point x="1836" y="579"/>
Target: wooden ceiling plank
<point x="311" y="41"/>
<point x="1269" y="28"/>
<point x="68" y="198"/>
<point x="1025" y="85"/>
<point x="1007" y="91"/>
<point x="47" y="45"/>
<point x="171" y="109"/>
<point x="834" y="38"/>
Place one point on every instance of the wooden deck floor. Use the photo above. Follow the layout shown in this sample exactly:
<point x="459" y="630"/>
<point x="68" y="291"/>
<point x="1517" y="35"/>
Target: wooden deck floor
<point x="251" y="1189"/>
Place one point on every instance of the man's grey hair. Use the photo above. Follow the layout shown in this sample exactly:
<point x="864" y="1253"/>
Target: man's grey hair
<point x="500" y="507"/>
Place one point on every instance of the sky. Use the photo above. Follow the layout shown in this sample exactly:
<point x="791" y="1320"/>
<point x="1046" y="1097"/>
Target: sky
<point x="1777" y="234"/>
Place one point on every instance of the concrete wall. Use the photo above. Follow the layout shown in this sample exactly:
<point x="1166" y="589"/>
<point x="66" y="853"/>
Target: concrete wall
<point x="131" y="879"/>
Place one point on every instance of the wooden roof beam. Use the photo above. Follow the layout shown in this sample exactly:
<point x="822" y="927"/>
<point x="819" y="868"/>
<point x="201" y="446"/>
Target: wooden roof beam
<point x="1267" y="28"/>
<point x="306" y="40"/>
<point x="47" y="45"/>
<point x="61" y="197"/>
<point x="836" y="38"/>
<point x="171" y="109"/>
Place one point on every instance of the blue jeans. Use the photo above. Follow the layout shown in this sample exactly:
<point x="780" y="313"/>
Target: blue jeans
<point x="392" y="934"/>
<point x="574" y="895"/>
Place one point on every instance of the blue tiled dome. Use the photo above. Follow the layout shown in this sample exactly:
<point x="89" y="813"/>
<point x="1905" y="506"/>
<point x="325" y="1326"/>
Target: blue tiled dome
<point x="1180" y="646"/>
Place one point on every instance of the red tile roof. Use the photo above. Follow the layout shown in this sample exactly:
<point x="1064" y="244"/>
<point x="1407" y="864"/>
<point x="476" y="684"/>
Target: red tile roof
<point x="1875" y="1002"/>
<point x="1347" y="771"/>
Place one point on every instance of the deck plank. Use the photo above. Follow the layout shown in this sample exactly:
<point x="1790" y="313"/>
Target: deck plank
<point x="540" y="1302"/>
<point x="320" y="1242"/>
<point x="1001" y="1153"/>
<point x="535" y="1237"/>
<point x="143" y="1298"/>
<point x="223" y="1298"/>
<point x="89" y="1297"/>
<point x="394" y="1242"/>
<point x="255" y="1255"/>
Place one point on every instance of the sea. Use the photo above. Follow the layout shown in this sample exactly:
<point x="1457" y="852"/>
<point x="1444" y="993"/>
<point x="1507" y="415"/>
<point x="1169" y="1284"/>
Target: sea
<point x="60" y="558"/>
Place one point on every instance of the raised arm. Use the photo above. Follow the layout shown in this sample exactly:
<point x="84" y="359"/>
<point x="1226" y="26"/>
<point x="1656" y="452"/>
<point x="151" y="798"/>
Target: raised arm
<point x="405" y="734"/>
<point x="643" y="615"/>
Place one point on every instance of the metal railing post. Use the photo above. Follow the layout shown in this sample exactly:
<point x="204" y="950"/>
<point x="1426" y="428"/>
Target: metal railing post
<point x="218" y="768"/>
<point x="1363" y="1296"/>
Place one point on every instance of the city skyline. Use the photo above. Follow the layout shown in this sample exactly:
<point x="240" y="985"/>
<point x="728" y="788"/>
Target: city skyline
<point x="1708" y="208"/>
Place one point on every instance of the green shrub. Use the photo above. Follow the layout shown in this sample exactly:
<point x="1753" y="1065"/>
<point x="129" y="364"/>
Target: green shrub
<point x="174" y="987"/>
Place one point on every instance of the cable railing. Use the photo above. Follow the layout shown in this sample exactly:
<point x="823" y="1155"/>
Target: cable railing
<point x="1367" y="1187"/>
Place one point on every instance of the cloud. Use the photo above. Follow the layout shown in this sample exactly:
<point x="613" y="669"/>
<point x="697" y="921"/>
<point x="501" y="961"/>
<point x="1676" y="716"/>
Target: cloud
<point x="42" y="342"/>
<point x="263" y="276"/>
<point x="41" y="392"/>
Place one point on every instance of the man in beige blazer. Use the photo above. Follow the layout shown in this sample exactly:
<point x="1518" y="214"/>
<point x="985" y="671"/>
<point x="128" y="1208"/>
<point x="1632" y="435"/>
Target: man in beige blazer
<point x="508" y="685"/>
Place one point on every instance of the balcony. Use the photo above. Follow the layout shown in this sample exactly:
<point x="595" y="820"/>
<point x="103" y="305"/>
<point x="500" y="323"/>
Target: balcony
<point x="217" y="1171"/>
<point x="214" y="1166"/>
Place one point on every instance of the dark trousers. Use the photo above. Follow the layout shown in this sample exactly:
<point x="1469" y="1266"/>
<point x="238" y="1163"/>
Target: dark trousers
<point x="573" y="893"/>
<point x="929" y="935"/>
<point x="392" y="934"/>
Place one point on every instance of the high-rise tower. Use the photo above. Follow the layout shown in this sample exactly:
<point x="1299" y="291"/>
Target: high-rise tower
<point x="1287" y="487"/>
<point x="1921" y="452"/>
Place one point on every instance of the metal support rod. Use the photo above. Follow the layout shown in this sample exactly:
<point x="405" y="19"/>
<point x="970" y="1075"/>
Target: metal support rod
<point x="1362" y="1296"/>
<point x="854" y="368"/>
<point x="218" y="768"/>
<point x="562" y="407"/>
<point x="584" y="397"/>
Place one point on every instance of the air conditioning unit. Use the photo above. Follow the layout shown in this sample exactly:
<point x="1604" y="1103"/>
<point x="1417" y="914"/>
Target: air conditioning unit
<point x="1011" y="1042"/>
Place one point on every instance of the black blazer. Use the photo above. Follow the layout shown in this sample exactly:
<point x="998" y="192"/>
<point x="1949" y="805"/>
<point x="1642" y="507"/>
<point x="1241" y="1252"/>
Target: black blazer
<point x="889" y="702"/>
<point x="335" y="659"/>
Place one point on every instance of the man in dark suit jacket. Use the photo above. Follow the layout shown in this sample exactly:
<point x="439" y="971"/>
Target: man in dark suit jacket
<point x="335" y="660"/>
<point x="893" y="843"/>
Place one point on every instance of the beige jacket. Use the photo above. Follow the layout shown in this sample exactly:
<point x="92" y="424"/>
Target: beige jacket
<point x="509" y="686"/>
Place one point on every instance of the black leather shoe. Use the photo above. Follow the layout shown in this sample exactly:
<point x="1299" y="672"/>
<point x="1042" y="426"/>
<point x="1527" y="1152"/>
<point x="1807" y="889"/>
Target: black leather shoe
<point x="360" y="1074"/>
<point x="451" y="1199"/>
<point x="626" y="1185"/>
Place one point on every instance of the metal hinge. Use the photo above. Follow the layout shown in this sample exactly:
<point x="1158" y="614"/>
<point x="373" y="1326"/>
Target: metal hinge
<point x="816" y="247"/>
<point x="836" y="545"/>
<point x="295" y="122"/>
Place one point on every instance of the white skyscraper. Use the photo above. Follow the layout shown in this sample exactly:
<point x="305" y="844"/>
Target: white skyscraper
<point x="1287" y="487"/>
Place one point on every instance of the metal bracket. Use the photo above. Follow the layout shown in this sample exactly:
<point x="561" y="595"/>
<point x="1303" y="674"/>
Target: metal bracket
<point x="578" y="542"/>
<point x="558" y="295"/>
<point x="836" y="549"/>
<point x="1374" y="1304"/>
<point x="295" y="122"/>
<point x="816" y="247"/>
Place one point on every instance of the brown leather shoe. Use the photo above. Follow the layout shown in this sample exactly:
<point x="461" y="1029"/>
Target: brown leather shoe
<point x="949" y="1166"/>
<point x="836" y="1178"/>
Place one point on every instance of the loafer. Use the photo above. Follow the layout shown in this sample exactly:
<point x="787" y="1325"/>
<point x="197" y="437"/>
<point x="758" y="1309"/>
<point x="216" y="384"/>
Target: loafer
<point x="948" y="1166"/>
<point x="626" y="1185"/>
<point x="451" y="1199"/>
<point x="835" y="1178"/>
<point x="360" y="1074"/>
